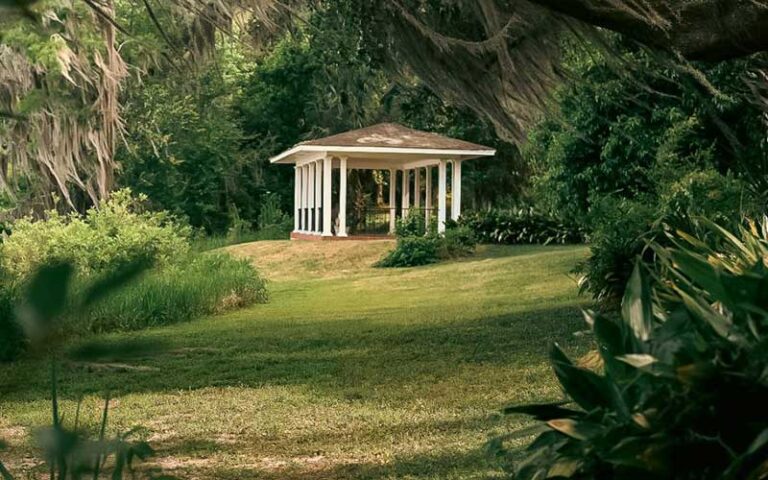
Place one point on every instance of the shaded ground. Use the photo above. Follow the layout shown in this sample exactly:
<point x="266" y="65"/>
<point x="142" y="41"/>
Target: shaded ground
<point x="348" y="372"/>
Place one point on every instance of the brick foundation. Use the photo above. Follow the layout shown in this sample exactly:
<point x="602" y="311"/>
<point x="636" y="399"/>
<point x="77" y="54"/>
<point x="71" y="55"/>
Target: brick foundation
<point x="319" y="238"/>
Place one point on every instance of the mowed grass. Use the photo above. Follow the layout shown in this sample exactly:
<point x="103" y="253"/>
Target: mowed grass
<point x="348" y="372"/>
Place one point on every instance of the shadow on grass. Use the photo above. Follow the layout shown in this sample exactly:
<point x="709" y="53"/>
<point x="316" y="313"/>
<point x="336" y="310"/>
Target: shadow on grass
<point x="332" y="357"/>
<point x="183" y="459"/>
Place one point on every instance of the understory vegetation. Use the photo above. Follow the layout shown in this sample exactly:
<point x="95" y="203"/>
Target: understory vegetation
<point x="683" y="377"/>
<point x="521" y="226"/>
<point x="418" y="243"/>
<point x="176" y="284"/>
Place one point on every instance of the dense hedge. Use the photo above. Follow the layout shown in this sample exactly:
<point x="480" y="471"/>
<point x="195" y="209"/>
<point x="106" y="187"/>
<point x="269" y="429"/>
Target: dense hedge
<point x="520" y="226"/>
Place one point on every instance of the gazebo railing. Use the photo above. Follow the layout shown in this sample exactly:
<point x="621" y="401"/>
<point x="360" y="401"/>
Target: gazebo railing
<point x="376" y="220"/>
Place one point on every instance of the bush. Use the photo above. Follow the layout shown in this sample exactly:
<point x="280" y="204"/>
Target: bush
<point x="417" y="246"/>
<point x="620" y="235"/>
<point x="103" y="239"/>
<point x="458" y="241"/>
<point x="520" y="226"/>
<point x="622" y="229"/>
<point x="683" y="390"/>
<point x="198" y="286"/>
<point x="411" y="252"/>
<point x="181" y="285"/>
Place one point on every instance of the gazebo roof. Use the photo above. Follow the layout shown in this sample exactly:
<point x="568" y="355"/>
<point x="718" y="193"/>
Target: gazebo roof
<point x="384" y="144"/>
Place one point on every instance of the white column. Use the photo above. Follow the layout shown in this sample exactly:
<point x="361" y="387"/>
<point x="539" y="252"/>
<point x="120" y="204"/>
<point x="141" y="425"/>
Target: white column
<point x="392" y="206"/>
<point x="296" y="188"/>
<point x="428" y="196"/>
<point x="456" y="190"/>
<point x="441" y="196"/>
<point x="318" y="193"/>
<point x="307" y="216"/>
<point x="302" y="182"/>
<point x="417" y="187"/>
<point x="311" y="198"/>
<point x="342" y="197"/>
<point x="327" y="200"/>
<point x="405" y="194"/>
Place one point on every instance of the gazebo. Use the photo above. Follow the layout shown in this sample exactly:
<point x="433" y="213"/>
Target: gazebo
<point x="400" y="151"/>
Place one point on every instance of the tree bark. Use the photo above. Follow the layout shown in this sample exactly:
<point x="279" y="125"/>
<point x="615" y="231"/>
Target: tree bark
<point x="710" y="30"/>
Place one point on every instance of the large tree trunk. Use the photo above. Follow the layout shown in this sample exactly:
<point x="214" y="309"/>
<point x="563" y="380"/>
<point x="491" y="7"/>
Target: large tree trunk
<point x="698" y="29"/>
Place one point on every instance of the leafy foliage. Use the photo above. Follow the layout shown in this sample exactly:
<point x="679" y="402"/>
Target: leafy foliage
<point x="420" y="244"/>
<point x="631" y="135"/>
<point x="684" y="381"/>
<point x="623" y="228"/>
<point x="634" y="150"/>
<point x="183" y="152"/>
<point x="411" y="252"/>
<point x="108" y="243"/>
<point x="114" y="235"/>
<point x="520" y="226"/>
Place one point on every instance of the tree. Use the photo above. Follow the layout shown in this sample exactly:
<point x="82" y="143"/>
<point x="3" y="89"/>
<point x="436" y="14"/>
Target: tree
<point x="503" y="58"/>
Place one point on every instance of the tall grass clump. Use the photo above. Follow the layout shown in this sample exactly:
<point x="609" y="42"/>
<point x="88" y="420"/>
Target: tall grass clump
<point x="202" y="285"/>
<point x="177" y="283"/>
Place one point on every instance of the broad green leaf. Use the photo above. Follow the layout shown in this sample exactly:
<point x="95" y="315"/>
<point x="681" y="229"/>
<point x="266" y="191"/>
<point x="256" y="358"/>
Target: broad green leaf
<point x="586" y="388"/>
<point x="703" y="273"/>
<point x="46" y="294"/>
<point x="564" y="468"/>
<point x="719" y="323"/>
<point x="636" y="306"/>
<point x="576" y="429"/>
<point x="4" y="473"/>
<point x="638" y="360"/>
<point x="614" y="340"/>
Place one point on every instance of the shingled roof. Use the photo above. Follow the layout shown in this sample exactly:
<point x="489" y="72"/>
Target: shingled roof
<point x="393" y="135"/>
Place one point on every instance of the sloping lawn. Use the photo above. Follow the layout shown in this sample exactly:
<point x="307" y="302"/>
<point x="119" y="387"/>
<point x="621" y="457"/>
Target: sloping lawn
<point x="348" y="372"/>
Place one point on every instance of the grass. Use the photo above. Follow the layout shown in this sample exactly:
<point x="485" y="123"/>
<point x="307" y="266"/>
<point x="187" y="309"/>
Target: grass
<point x="348" y="372"/>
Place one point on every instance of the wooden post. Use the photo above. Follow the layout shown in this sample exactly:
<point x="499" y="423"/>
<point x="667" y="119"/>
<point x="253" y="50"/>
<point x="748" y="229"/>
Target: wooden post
<point x="392" y="205"/>
<point x="342" y="197"/>
<point x="441" y="194"/>
<point x="456" y="190"/>
<point x="327" y="199"/>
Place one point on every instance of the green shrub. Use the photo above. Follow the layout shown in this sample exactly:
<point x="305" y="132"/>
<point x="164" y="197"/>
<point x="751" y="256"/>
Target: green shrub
<point x="458" y="241"/>
<point x="520" y="226"/>
<point x="180" y="285"/>
<point x="621" y="229"/>
<point x="197" y="286"/>
<point x="417" y="246"/>
<point x="683" y="388"/>
<point x="115" y="234"/>
<point x="620" y="235"/>
<point x="411" y="226"/>
<point x="411" y="252"/>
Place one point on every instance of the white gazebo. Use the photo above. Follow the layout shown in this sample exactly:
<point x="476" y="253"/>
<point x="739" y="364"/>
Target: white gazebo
<point x="387" y="147"/>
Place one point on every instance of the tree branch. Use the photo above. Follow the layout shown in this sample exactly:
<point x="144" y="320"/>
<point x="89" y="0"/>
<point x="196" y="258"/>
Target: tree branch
<point x="710" y="30"/>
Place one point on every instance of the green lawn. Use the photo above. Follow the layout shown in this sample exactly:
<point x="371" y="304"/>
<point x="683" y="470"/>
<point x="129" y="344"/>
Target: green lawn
<point x="348" y="372"/>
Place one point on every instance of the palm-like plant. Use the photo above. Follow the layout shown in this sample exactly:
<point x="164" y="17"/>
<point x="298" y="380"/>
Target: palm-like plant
<point x="684" y="385"/>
